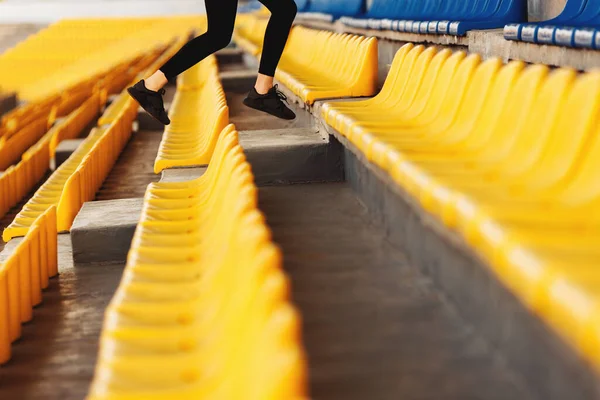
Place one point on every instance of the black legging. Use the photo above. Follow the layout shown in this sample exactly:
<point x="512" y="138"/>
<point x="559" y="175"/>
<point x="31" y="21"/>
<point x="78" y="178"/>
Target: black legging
<point x="221" y="19"/>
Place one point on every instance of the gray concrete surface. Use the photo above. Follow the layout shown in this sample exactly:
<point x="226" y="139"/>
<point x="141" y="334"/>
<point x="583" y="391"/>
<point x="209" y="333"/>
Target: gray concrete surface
<point x="102" y="231"/>
<point x="147" y="123"/>
<point x="284" y="156"/>
<point x="56" y="356"/>
<point x="229" y="55"/>
<point x="134" y="169"/>
<point x="374" y="326"/>
<point x="181" y="174"/>
<point x="8" y="101"/>
<point x="280" y="156"/>
<point x="238" y="80"/>
<point x="9" y="249"/>
<point x="65" y="149"/>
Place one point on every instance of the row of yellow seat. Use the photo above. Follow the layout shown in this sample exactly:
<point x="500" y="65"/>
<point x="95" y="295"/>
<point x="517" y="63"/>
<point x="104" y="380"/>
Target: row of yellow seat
<point x="64" y="188"/>
<point x="507" y="156"/>
<point x="22" y="130"/>
<point x="71" y="51"/>
<point x="20" y="179"/>
<point x="203" y="309"/>
<point x="16" y="182"/>
<point x="23" y="276"/>
<point x="69" y="113"/>
<point x="191" y="137"/>
<point x="78" y="178"/>
<point x="318" y="64"/>
<point x="12" y="148"/>
<point x="18" y="118"/>
<point x="25" y="125"/>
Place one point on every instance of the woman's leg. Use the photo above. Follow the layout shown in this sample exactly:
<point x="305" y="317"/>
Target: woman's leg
<point x="283" y="13"/>
<point x="221" y="19"/>
<point x="264" y="96"/>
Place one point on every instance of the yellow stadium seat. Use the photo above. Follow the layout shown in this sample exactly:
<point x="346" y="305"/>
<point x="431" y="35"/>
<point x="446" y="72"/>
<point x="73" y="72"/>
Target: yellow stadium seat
<point x="21" y="116"/>
<point x="72" y="51"/>
<point x="77" y="180"/>
<point x="18" y="180"/>
<point x="23" y="276"/>
<point x="249" y="33"/>
<point x="12" y="147"/>
<point x="191" y="137"/>
<point x="74" y="124"/>
<point x="204" y="316"/>
<point x="320" y="65"/>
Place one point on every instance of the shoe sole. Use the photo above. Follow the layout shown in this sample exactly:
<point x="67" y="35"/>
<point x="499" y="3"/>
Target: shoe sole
<point x="133" y="94"/>
<point x="250" y="105"/>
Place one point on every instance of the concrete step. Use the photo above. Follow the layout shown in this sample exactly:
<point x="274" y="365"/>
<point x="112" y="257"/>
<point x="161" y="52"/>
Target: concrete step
<point x="284" y="156"/>
<point x="102" y="231"/>
<point x="375" y="327"/>
<point x="530" y="347"/>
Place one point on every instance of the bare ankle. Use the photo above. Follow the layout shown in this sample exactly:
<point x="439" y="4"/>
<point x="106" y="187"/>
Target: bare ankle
<point x="264" y="83"/>
<point x="156" y="81"/>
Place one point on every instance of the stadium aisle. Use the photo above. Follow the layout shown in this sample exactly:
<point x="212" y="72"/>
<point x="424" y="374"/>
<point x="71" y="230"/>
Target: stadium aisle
<point x="374" y="326"/>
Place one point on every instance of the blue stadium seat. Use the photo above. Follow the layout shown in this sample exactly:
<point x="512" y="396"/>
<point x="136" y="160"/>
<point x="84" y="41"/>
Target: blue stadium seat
<point x="439" y="16"/>
<point x="302" y="5"/>
<point x="330" y="10"/>
<point x="249" y="7"/>
<point x="577" y="26"/>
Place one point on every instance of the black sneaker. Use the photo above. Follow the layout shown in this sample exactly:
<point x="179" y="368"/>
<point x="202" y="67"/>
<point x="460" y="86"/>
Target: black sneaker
<point x="150" y="101"/>
<point x="271" y="103"/>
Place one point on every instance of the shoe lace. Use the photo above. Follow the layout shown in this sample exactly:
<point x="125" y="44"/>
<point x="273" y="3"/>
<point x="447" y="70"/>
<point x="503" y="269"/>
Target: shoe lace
<point x="280" y="95"/>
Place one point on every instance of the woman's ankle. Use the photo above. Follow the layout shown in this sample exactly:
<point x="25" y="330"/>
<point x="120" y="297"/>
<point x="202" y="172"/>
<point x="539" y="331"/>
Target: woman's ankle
<point x="264" y="83"/>
<point x="156" y="81"/>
